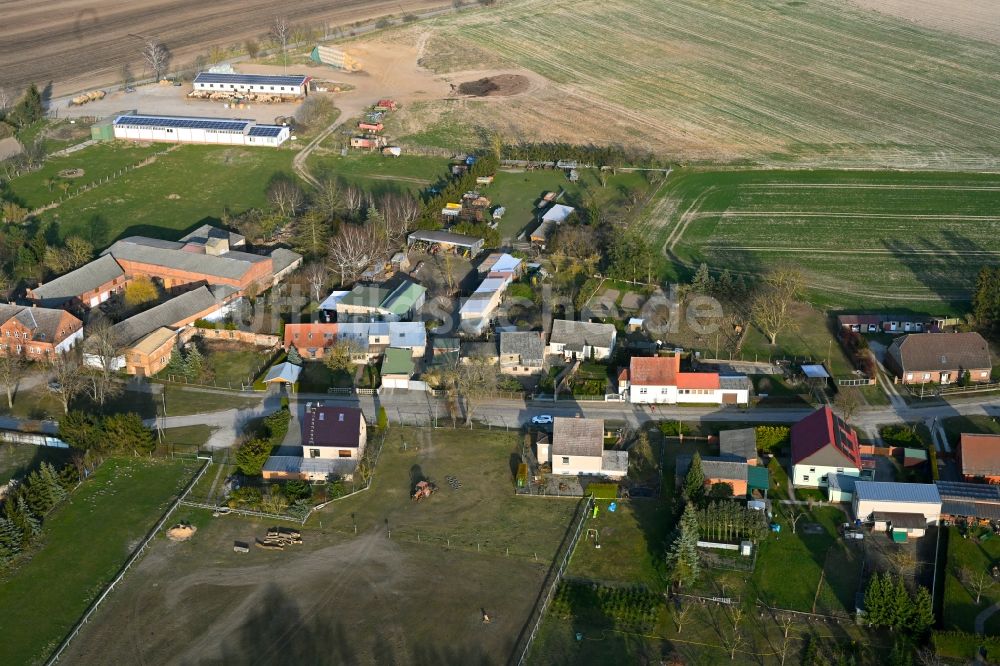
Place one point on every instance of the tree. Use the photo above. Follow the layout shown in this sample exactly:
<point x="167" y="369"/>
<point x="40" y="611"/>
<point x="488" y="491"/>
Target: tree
<point x="194" y="364"/>
<point x="280" y="32"/>
<point x="682" y="557"/>
<point x="922" y="615"/>
<point x="106" y="349"/>
<point x="251" y="456"/>
<point x="702" y="282"/>
<point x="986" y="300"/>
<point x="771" y="309"/>
<point x="721" y="490"/>
<point x="976" y="581"/>
<point x="28" y="109"/>
<point x="252" y="47"/>
<point x="68" y="379"/>
<point x="12" y="213"/>
<point x="311" y="234"/>
<point x="847" y="402"/>
<point x="328" y="199"/>
<point x="340" y="356"/>
<point x="80" y="251"/>
<point x="681" y="614"/>
<point x="285" y="197"/>
<point x="80" y="430"/>
<point x="156" y="56"/>
<point x="694" y="481"/>
<point x="475" y="380"/>
<point x="316" y="275"/>
<point x="786" y="623"/>
<point x="140" y="291"/>
<point x="351" y="251"/>
<point x="293" y="356"/>
<point x="12" y="369"/>
<point x="126" y="432"/>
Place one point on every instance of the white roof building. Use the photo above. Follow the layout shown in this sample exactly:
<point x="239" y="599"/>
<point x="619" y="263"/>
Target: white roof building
<point x="558" y="213"/>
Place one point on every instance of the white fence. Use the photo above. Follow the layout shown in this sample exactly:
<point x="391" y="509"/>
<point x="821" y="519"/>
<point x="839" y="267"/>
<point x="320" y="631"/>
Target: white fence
<point x="121" y="573"/>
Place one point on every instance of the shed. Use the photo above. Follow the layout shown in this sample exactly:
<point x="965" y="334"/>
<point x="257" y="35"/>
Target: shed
<point x="841" y="487"/>
<point x="447" y="240"/>
<point x="283" y="373"/>
<point x="740" y="445"/>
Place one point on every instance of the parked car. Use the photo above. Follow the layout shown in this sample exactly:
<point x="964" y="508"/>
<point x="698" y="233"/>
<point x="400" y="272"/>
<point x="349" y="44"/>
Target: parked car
<point x="542" y="419"/>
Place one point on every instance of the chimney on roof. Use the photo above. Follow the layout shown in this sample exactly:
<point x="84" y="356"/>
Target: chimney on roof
<point x="341" y="419"/>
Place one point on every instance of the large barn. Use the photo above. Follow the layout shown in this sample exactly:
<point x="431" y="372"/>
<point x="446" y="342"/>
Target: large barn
<point x="173" y="129"/>
<point x="291" y="85"/>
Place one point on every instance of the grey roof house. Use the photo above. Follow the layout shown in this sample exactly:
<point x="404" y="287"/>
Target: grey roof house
<point x="581" y="340"/>
<point x="522" y="352"/>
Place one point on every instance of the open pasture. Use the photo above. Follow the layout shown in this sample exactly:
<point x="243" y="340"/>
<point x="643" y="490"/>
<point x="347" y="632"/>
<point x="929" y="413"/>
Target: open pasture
<point x="807" y="82"/>
<point x="868" y="238"/>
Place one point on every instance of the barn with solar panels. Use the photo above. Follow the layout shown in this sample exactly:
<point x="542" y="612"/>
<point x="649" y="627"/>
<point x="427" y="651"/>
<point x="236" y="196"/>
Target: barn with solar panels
<point x="291" y="85"/>
<point x="174" y="129"/>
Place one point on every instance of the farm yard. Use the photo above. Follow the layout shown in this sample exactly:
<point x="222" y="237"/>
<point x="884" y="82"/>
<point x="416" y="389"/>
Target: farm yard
<point x="926" y="233"/>
<point x="832" y="84"/>
<point x="84" y="45"/>
<point x="409" y="585"/>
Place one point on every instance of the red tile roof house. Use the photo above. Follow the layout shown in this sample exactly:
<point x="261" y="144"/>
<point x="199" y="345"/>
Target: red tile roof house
<point x="333" y="440"/>
<point x="823" y="445"/>
<point x="660" y="380"/>
<point x="979" y="457"/>
<point x="941" y="358"/>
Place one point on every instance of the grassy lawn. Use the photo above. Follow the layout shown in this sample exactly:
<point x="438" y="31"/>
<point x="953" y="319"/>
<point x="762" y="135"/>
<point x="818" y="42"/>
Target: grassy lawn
<point x="97" y="161"/>
<point x="960" y="609"/>
<point x="317" y="378"/>
<point x="519" y="192"/>
<point x="978" y="424"/>
<point x="233" y="367"/>
<point x="749" y="220"/>
<point x="779" y="480"/>
<point x="84" y="543"/>
<point x="483" y="512"/>
<point x="375" y="172"/>
<point x="16" y="460"/>
<point x="187" y="438"/>
<point x="207" y="180"/>
<point x="40" y="403"/>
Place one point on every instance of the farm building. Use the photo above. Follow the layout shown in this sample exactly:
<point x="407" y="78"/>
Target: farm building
<point x="498" y="264"/>
<point x="971" y="501"/>
<point x="901" y="508"/>
<point x="823" y="445"/>
<point x="979" y="456"/>
<point x="447" y="241"/>
<point x="37" y="333"/>
<point x="370" y="142"/>
<point x="373" y="128"/>
<point x="292" y="85"/>
<point x="941" y="358"/>
<point x="477" y="311"/>
<point x="558" y="213"/>
<point x="335" y="57"/>
<point x="893" y="323"/>
<point x="171" y="129"/>
<point x="372" y="302"/>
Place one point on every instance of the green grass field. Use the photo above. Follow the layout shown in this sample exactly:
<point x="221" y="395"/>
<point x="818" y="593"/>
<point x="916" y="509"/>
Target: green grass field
<point x="16" y="460"/>
<point x="869" y="239"/>
<point x="207" y="180"/>
<point x="374" y="172"/>
<point x="84" y="543"/>
<point x="97" y="162"/>
<point x="770" y="82"/>
<point x="960" y="609"/>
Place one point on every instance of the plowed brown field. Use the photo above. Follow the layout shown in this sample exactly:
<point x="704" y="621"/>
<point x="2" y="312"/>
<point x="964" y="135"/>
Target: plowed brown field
<point x="77" y="44"/>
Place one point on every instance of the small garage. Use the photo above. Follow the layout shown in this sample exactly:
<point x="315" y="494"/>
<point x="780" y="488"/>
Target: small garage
<point x="904" y="507"/>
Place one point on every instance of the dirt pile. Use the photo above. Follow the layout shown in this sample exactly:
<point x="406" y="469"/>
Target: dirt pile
<point x="181" y="532"/>
<point x="501" y="85"/>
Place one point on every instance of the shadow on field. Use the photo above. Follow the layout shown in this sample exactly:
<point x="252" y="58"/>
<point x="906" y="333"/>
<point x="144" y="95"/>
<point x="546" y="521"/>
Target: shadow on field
<point x="938" y="266"/>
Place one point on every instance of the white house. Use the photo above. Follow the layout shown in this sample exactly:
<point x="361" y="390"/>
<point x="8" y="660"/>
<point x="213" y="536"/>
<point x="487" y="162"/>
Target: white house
<point x="171" y="129"/>
<point x="291" y="85"/>
<point x="906" y="508"/>
<point x="581" y="340"/>
<point x="823" y="445"/>
<point x="477" y="311"/>
<point x="659" y="380"/>
<point x="578" y="448"/>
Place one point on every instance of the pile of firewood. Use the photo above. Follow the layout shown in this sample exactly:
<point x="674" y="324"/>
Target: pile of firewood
<point x="279" y="537"/>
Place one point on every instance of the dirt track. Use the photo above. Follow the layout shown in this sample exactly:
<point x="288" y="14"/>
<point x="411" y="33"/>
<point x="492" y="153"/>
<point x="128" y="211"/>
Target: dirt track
<point x="77" y="44"/>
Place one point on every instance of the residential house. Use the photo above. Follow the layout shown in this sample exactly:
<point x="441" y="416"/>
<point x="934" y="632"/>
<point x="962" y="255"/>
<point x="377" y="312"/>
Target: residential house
<point x="942" y="358"/>
<point x="659" y="380"/>
<point x="581" y="340"/>
<point x="738" y="475"/>
<point x="369" y="339"/>
<point x="577" y="448"/>
<point x="333" y="441"/>
<point x="522" y="352"/>
<point x="823" y="445"/>
<point x="979" y="457"/>
<point x="901" y="508"/>
<point x="37" y="333"/>
<point x="373" y="302"/>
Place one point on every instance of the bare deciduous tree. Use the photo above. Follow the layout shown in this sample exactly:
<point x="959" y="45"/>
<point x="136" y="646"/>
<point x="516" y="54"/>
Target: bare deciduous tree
<point x="354" y="197"/>
<point x="977" y="581"/>
<point x="12" y="369"/>
<point x="156" y="56"/>
<point x="475" y="381"/>
<point x="105" y="347"/>
<point x="772" y="305"/>
<point x="351" y="250"/>
<point x="316" y="274"/>
<point x="285" y="197"/>
<point x="847" y="402"/>
<point x="280" y="33"/>
<point x="68" y="379"/>
<point x="786" y="623"/>
<point x="328" y="199"/>
<point x="681" y="614"/>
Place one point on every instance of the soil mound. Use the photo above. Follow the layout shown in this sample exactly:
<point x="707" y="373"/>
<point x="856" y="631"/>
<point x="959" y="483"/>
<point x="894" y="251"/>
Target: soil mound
<point x="495" y="86"/>
<point x="181" y="532"/>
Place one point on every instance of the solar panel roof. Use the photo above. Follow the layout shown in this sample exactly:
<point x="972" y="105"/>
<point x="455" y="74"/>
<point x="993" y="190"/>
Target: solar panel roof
<point x="265" y="130"/>
<point x="251" y="79"/>
<point x="184" y="123"/>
